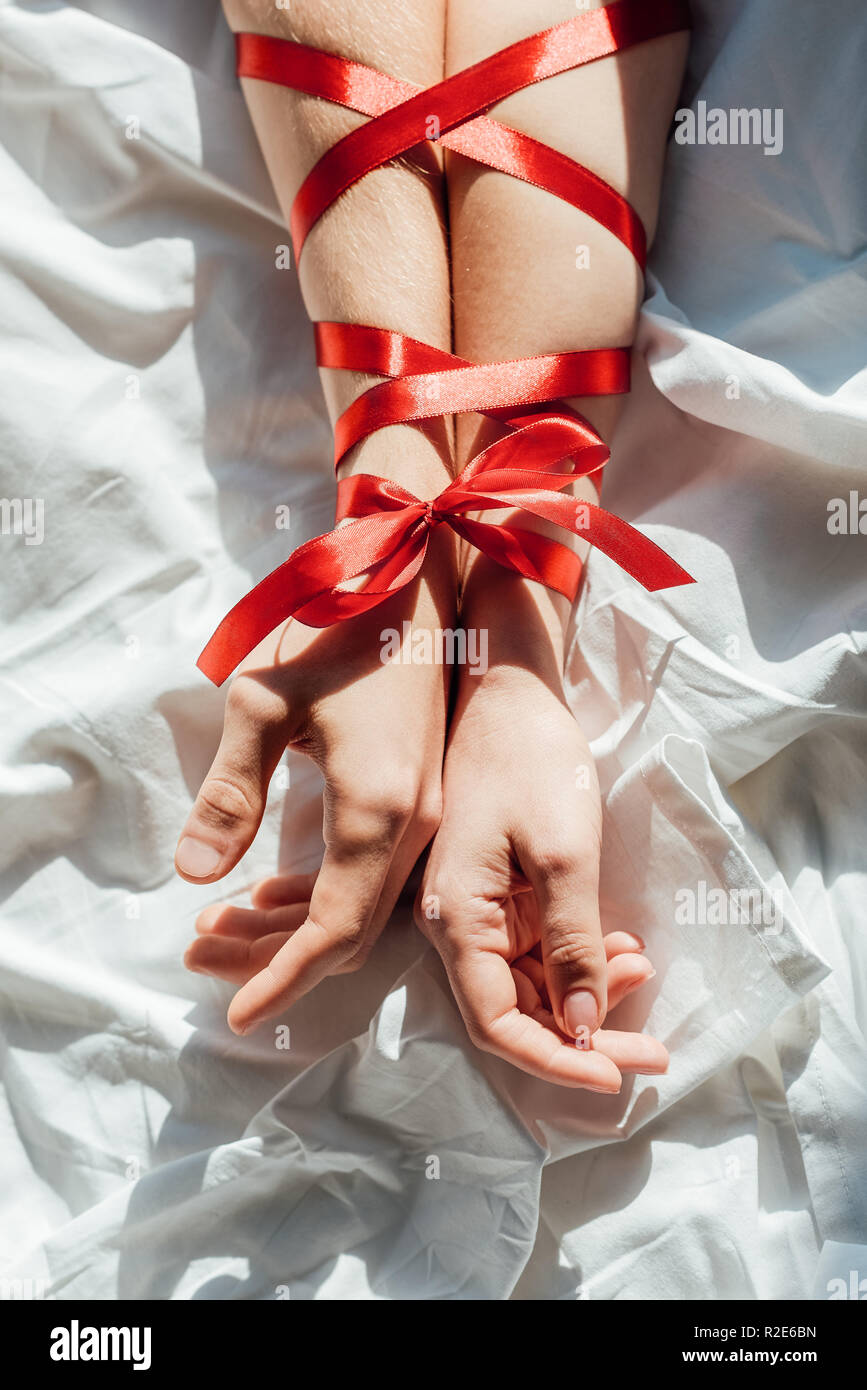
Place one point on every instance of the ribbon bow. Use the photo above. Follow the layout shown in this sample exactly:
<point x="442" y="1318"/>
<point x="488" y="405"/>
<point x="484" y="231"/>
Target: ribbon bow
<point x="387" y="536"/>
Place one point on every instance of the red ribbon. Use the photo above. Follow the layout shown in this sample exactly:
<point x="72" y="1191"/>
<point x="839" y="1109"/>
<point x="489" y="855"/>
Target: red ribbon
<point x="387" y="538"/>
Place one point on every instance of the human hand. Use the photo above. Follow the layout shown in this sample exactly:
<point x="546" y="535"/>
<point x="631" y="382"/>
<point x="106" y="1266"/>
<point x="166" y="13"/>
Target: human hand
<point x="510" y="892"/>
<point x="376" y="731"/>
<point x="509" y="898"/>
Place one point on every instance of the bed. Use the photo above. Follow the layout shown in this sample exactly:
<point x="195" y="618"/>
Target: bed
<point x="160" y="411"/>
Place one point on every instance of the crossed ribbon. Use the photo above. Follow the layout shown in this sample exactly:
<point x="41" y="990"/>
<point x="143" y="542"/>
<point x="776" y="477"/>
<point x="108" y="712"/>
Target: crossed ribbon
<point x="387" y="529"/>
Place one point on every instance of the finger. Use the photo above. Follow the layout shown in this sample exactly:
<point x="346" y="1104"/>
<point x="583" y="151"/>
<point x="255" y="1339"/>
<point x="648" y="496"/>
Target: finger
<point x="223" y="919"/>
<point x="565" y="882"/>
<point x="228" y="809"/>
<point x="534" y="971"/>
<point x="625" y="974"/>
<point x="362" y="839"/>
<point x="629" y="1051"/>
<point x="231" y="958"/>
<point x="297" y="889"/>
<point x="292" y="912"/>
<point x="280" y="890"/>
<point x="417" y="837"/>
<point x="632" y="1051"/>
<point x="487" y="995"/>
<point x="617" y="942"/>
<point x="321" y="945"/>
<point x="530" y="1001"/>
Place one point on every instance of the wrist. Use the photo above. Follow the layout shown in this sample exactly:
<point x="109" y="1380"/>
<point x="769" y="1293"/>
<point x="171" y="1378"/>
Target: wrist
<point x="419" y="459"/>
<point x="520" y="625"/>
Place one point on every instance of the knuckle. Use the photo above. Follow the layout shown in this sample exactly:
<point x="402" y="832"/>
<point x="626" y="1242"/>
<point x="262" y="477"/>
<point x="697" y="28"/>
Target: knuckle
<point x="479" y="1034"/>
<point x="568" y="951"/>
<point x="357" y="833"/>
<point x="397" y="797"/>
<point x="430" y="812"/>
<point x="223" y="804"/>
<point x="372" y="813"/>
<point x="353" y="936"/>
<point x="559" y="857"/>
<point x="359" y="957"/>
<point x="249" y="701"/>
<point x="344" y="942"/>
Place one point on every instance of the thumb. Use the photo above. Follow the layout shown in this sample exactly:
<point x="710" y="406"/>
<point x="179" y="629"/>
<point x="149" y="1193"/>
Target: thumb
<point x="573" y="951"/>
<point x="231" y="802"/>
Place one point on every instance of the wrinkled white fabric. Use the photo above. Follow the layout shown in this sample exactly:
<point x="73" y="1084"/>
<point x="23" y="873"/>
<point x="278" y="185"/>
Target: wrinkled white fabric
<point x="159" y="395"/>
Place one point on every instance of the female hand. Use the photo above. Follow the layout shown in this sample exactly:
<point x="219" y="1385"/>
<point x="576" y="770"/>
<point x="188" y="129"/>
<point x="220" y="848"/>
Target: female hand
<point x="510" y="895"/>
<point x="510" y="891"/>
<point x="376" y="730"/>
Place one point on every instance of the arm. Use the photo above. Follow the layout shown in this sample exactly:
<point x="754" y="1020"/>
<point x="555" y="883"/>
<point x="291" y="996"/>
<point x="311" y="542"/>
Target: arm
<point x="516" y="880"/>
<point x="491" y="829"/>
<point x="376" y="730"/>
<point x="379" y="255"/>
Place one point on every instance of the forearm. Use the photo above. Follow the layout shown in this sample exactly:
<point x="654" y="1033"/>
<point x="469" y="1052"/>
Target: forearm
<point x="532" y="274"/>
<point x="379" y="254"/>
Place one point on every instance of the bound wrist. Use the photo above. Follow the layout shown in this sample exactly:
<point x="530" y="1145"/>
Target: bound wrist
<point x="421" y="462"/>
<point x="520" y="624"/>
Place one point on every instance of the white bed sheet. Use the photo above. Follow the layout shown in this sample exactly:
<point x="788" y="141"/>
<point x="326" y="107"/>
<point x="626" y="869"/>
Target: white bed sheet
<point x="159" y="394"/>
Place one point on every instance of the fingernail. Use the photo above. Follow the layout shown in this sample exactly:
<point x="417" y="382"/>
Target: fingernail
<point x="637" y="939"/>
<point x="603" y="1090"/>
<point x="195" y="858"/>
<point x="643" y="979"/>
<point x="580" y="1012"/>
<point x="640" y="982"/>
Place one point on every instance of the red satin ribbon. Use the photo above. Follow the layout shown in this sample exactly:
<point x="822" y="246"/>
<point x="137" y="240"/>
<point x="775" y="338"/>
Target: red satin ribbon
<point x="387" y="538"/>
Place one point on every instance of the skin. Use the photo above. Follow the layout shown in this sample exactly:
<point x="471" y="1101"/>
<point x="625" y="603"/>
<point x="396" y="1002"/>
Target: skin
<point x="378" y="256"/>
<point x="509" y="896"/>
<point x="516" y="857"/>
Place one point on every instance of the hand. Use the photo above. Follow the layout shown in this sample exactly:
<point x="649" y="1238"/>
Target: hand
<point x="510" y="891"/>
<point x="377" y="732"/>
<point x="511" y="953"/>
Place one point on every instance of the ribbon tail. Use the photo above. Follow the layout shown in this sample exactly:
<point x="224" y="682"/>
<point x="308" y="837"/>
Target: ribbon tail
<point x="628" y="547"/>
<point x="248" y="624"/>
<point x="381" y="547"/>
<point x="540" y="558"/>
<point x="528" y="553"/>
